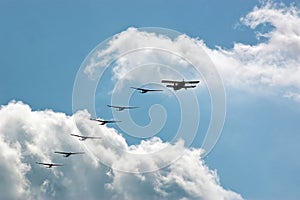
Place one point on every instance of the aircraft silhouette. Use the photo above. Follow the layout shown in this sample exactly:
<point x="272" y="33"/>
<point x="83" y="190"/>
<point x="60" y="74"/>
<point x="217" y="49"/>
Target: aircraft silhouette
<point x="67" y="154"/>
<point x="49" y="165"/>
<point x="145" y="90"/>
<point x="102" y="122"/>
<point x="177" y="85"/>
<point x="82" y="137"/>
<point x="120" y="108"/>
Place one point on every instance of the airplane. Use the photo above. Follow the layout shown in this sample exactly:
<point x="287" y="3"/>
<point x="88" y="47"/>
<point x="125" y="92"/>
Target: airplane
<point x="102" y="122"/>
<point x="177" y="85"/>
<point x="67" y="154"/>
<point x="144" y="90"/>
<point x="82" y="137"/>
<point x="120" y="108"/>
<point x="49" y="165"/>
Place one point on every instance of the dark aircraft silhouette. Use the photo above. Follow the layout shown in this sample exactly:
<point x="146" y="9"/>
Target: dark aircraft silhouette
<point x="67" y="154"/>
<point x="49" y="165"/>
<point x="177" y="85"/>
<point x="82" y="137"/>
<point x="120" y="108"/>
<point x="102" y="122"/>
<point x="144" y="90"/>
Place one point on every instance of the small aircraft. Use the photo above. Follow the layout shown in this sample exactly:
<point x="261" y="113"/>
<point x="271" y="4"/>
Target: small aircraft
<point x="177" y="85"/>
<point x="82" y="137"/>
<point x="67" y="154"/>
<point x="120" y="108"/>
<point x="144" y="90"/>
<point x="49" y="165"/>
<point x="102" y="122"/>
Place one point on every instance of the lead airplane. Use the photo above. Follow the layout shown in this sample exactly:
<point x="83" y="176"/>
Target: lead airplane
<point x="49" y="165"/>
<point x="177" y="85"/>
<point x="120" y="108"/>
<point x="82" y="137"/>
<point x="145" y="90"/>
<point x="102" y="122"/>
<point x="67" y="154"/>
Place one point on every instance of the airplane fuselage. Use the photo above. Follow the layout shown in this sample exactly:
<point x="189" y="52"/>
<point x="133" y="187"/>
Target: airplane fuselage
<point x="144" y="91"/>
<point x="177" y="85"/>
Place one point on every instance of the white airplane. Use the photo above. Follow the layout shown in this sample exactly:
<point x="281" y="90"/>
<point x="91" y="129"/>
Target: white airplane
<point x="82" y="137"/>
<point x="67" y="154"/>
<point x="49" y="165"/>
<point x="177" y="85"/>
<point x="144" y="90"/>
<point x="120" y="108"/>
<point x="102" y="122"/>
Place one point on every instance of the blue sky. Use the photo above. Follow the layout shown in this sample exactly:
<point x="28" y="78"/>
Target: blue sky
<point x="43" y="44"/>
<point x="52" y="38"/>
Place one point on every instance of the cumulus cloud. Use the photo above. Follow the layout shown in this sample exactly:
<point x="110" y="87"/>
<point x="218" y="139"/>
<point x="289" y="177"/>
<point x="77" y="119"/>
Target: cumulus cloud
<point x="270" y="66"/>
<point x="28" y="136"/>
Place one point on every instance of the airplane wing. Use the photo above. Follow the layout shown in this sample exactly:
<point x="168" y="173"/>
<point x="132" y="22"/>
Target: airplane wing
<point x="77" y="152"/>
<point x="170" y="81"/>
<point x="192" y="82"/>
<point x="114" y="106"/>
<point x="68" y="153"/>
<point x="77" y="135"/>
<point x="97" y="120"/>
<point x="112" y="121"/>
<point x="49" y="164"/>
<point x="102" y="122"/>
<point x="56" y="164"/>
<point x="145" y="89"/>
<point x="170" y="86"/>
<point x="61" y="152"/>
<point x="40" y="163"/>
<point x="92" y="137"/>
<point x="137" y="88"/>
<point x="123" y="107"/>
<point x="189" y="86"/>
<point x="152" y="90"/>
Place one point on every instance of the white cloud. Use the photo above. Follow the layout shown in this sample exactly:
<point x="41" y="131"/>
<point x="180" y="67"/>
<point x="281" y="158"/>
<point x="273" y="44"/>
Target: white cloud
<point x="13" y="182"/>
<point x="133" y="48"/>
<point x="28" y="136"/>
<point x="271" y="66"/>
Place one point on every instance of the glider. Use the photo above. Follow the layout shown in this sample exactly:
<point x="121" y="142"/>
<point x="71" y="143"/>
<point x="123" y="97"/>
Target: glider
<point x="49" y="165"/>
<point x="67" y="154"/>
<point x="120" y="108"/>
<point x="144" y="90"/>
<point x="102" y="122"/>
<point x="82" y="137"/>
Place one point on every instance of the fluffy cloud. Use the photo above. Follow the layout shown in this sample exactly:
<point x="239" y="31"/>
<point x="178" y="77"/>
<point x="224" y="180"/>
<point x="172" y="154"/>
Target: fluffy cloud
<point x="273" y="64"/>
<point x="28" y="136"/>
<point x="270" y="66"/>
